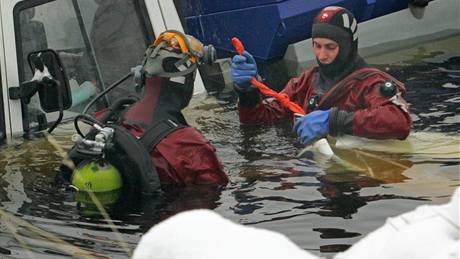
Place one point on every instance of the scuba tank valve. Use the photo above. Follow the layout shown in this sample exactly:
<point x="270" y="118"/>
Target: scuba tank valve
<point x="96" y="146"/>
<point x="96" y="174"/>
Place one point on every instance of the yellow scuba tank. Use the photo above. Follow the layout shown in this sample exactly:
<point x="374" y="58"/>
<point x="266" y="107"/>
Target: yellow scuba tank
<point x="99" y="177"/>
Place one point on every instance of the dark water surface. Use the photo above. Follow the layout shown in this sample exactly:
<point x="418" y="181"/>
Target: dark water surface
<point x="323" y="208"/>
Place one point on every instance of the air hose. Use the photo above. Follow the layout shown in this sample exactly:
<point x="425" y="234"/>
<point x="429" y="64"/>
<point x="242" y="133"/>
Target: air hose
<point x="112" y="86"/>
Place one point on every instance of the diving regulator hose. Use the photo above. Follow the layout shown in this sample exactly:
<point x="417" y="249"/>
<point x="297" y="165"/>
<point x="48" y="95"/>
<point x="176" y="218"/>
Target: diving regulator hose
<point x="108" y="89"/>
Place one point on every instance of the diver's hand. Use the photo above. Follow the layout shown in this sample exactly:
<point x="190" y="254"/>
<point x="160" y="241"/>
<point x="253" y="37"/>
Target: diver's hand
<point x="244" y="68"/>
<point x="312" y="126"/>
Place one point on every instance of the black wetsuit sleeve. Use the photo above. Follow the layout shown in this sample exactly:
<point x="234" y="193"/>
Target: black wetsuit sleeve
<point x="249" y="97"/>
<point x="340" y="122"/>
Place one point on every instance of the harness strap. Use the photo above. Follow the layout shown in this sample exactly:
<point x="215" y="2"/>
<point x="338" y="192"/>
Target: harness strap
<point x="331" y="96"/>
<point x="157" y="131"/>
<point x="142" y="172"/>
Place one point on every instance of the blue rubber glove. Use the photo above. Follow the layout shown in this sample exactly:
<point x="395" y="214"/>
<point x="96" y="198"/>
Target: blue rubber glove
<point x="244" y="68"/>
<point x="312" y="126"/>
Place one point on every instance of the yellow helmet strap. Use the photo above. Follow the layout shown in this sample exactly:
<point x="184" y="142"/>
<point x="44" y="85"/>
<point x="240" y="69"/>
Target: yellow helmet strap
<point x="177" y="39"/>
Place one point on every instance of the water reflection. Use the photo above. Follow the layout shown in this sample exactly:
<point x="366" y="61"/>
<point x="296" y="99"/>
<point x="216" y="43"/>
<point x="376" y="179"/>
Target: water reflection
<point x="433" y="81"/>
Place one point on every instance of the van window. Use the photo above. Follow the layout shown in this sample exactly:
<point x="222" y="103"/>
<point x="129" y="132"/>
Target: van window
<point x="99" y="41"/>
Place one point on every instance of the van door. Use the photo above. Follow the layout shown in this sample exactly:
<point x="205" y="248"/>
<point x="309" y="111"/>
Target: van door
<point x="98" y="41"/>
<point x="11" y="108"/>
<point x="2" y="114"/>
<point x="3" y="111"/>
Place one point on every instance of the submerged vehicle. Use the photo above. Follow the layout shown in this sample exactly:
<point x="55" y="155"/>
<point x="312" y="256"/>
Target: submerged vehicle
<point x="99" y="42"/>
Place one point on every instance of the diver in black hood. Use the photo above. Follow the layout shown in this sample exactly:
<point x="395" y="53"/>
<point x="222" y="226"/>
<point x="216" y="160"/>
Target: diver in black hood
<point x="342" y="95"/>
